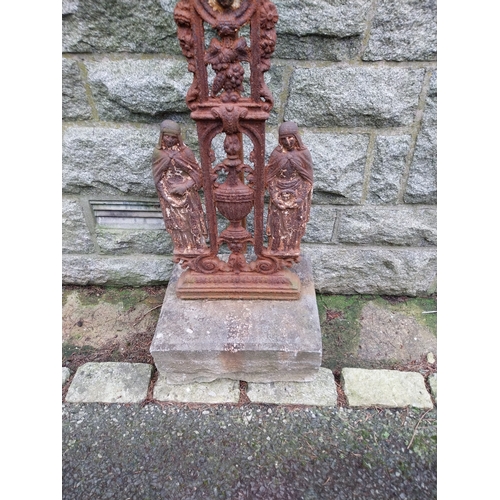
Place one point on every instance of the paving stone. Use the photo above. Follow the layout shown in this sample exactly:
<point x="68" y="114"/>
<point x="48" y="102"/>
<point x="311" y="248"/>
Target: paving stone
<point x="110" y="383"/>
<point x="65" y="375"/>
<point x="216" y="392"/>
<point x="433" y="382"/>
<point x="321" y="391"/>
<point x="384" y="388"/>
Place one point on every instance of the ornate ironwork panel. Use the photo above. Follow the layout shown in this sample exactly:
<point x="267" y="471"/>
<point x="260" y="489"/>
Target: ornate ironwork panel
<point x="229" y="96"/>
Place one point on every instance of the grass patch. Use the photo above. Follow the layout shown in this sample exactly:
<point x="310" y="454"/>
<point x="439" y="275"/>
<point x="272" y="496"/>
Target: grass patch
<point x="339" y="317"/>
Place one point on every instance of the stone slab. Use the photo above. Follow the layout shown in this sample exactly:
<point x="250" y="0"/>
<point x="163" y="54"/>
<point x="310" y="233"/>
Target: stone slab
<point x="217" y="392"/>
<point x="321" y="391"/>
<point x="110" y="383"/>
<point x="384" y="388"/>
<point x="250" y="340"/>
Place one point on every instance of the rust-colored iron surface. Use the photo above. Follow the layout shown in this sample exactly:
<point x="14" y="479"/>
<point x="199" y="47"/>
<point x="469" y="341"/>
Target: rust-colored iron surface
<point x="229" y="96"/>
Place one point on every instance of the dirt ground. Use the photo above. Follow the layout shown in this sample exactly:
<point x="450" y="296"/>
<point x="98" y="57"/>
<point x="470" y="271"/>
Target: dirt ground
<point x="118" y="324"/>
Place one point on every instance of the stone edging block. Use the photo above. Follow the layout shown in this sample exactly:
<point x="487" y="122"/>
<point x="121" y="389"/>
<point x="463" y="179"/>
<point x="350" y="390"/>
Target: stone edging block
<point x="321" y="391"/>
<point x="384" y="388"/>
<point x="217" y="392"/>
<point x="110" y="383"/>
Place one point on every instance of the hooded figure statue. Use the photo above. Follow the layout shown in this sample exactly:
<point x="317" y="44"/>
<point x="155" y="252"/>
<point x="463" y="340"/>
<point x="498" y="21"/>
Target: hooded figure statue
<point x="289" y="181"/>
<point x="178" y="178"/>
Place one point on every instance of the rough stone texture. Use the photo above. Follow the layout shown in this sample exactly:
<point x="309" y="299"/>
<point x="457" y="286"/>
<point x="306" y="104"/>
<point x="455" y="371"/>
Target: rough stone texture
<point x="387" y="335"/>
<point x="376" y="270"/>
<point x="139" y="89"/>
<point x="251" y="340"/>
<point x="389" y="165"/>
<point x="433" y="381"/>
<point x="134" y="270"/>
<point x="354" y="96"/>
<point x="318" y="47"/>
<point x="75" y="104"/>
<point x="217" y="392"/>
<point x="319" y="229"/>
<point x="109" y="160"/>
<point x="65" y="375"/>
<point x="337" y="18"/>
<point x="75" y="232"/>
<point x="131" y="241"/>
<point x="422" y="181"/>
<point x="401" y="225"/>
<point x="111" y="26"/>
<point x="339" y="164"/>
<point x="321" y="391"/>
<point x="384" y="388"/>
<point x="275" y="80"/>
<point x="403" y="30"/>
<point x="110" y="383"/>
<point x="334" y="35"/>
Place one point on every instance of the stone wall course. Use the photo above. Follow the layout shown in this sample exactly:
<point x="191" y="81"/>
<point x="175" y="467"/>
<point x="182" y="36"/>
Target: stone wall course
<point x="75" y="104"/>
<point x="145" y="90"/>
<point x="354" y="96"/>
<point x="101" y="26"/>
<point x="76" y="236"/>
<point x="422" y="181"/>
<point x="399" y="225"/>
<point x="403" y="30"/>
<point x="388" y="168"/>
<point x="374" y="270"/>
<point x="102" y="160"/>
<point x="339" y="164"/>
<point x="129" y="270"/>
<point x="116" y="241"/>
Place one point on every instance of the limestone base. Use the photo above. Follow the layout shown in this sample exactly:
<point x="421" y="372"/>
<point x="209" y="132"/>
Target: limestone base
<point x="251" y="340"/>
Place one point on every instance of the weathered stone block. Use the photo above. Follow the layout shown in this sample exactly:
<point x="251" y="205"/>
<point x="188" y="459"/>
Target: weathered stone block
<point x="384" y="388"/>
<point x="104" y="160"/>
<point x="110" y="26"/>
<point x="321" y="391"/>
<point x="251" y="340"/>
<point x="373" y="270"/>
<point x="217" y="392"/>
<point x="139" y="89"/>
<point x="403" y="30"/>
<point x="422" y="181"/>
<point x="110" y="383"/>
<point x="354" y="96"/>
<point x="317" y="47"/>
<point x="339" y="164"/>
<point x="76" y="236"/>
<point x="133" y="241"/>
<point x="411" y="226"/>
<point x="334" y="35"/>
<point x="319" y="229"/>
<point x="275" y="80"/>
<point x="334" y="18"/>
<point x="136" y="270"/>
<point x="389" y="164"/>
<point x="75" y="104"/>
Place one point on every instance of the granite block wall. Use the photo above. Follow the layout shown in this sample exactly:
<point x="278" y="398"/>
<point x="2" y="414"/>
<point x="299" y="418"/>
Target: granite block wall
<point x="359" y="77"/>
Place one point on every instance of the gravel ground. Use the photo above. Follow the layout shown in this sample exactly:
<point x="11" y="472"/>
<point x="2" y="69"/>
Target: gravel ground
<point x="164" y="451"/>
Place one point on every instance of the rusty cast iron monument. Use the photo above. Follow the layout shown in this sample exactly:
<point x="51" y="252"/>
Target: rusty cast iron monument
<point x="263" y="324"/>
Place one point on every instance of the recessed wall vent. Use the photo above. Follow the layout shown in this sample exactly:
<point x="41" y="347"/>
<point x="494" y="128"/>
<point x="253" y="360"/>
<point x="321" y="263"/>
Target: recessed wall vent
<point x="128" y="214"/>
